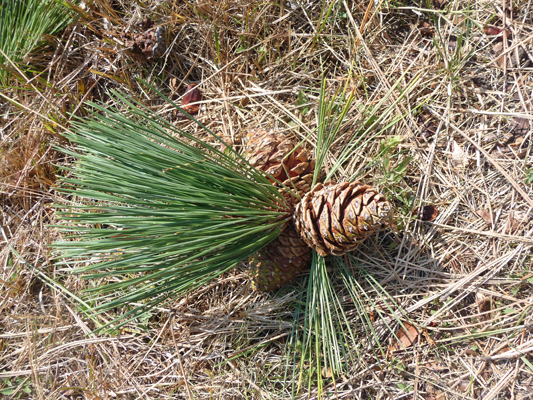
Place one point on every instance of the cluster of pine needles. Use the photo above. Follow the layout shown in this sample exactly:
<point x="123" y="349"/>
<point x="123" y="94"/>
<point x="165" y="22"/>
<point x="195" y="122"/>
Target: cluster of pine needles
<point x="127" y="223"/>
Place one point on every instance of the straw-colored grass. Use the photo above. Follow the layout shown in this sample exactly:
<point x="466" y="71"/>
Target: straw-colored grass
<point x="455" y="104"/>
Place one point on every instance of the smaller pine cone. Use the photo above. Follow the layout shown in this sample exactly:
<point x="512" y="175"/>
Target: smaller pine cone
<point x="337" y="217"/>
<point x="278" y="263"/>
<point x="269" y="152"/>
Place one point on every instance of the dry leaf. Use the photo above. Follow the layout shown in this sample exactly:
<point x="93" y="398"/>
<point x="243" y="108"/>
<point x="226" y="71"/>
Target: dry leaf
<point x="426" y="29"/>
<point x="498" y="49"/>
<point x="503" y="350"/>
<point x="428" y="338"/>
<point x="464" y="385"/>
<point x="459" y="159"/>
<point x="513" y="58"/>
<point x="405" y="337"/>
<point x="174" y="84"/>
<point x="495" y="31"/>
<point x="439" y="3"/>
<point x="520" y="127"/>
<point x="515" y="221"/>
<point x="436" y="367"/>
<point x="483" y="305"/>
<point x="426" y="213"/>
<point x="192" y="95"/>
<point x="492" y="30"/>
<point x="485" y="215"/>
<point x="427" y="125"/>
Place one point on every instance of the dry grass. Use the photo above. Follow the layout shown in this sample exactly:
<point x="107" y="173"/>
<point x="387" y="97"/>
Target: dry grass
<point x="465" y="279"/>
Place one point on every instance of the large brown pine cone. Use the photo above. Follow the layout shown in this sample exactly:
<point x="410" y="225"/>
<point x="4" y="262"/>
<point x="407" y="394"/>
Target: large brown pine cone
<point x="336" y="217"/>
<point x="278" y="263"/>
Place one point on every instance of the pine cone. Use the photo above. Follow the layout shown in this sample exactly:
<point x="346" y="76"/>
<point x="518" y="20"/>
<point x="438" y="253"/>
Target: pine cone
<point x="336" y="217"/>
<point x="269" y="152"/>
<point x="280" y="262"/>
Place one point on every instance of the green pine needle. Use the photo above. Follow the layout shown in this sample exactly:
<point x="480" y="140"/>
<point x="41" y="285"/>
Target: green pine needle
<point x="22" y="26"/>
<point x="156" y="212"/>
<point x="328" y="344"/>
<point x="331" y="114"/>
<point x="325" y="342"/>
